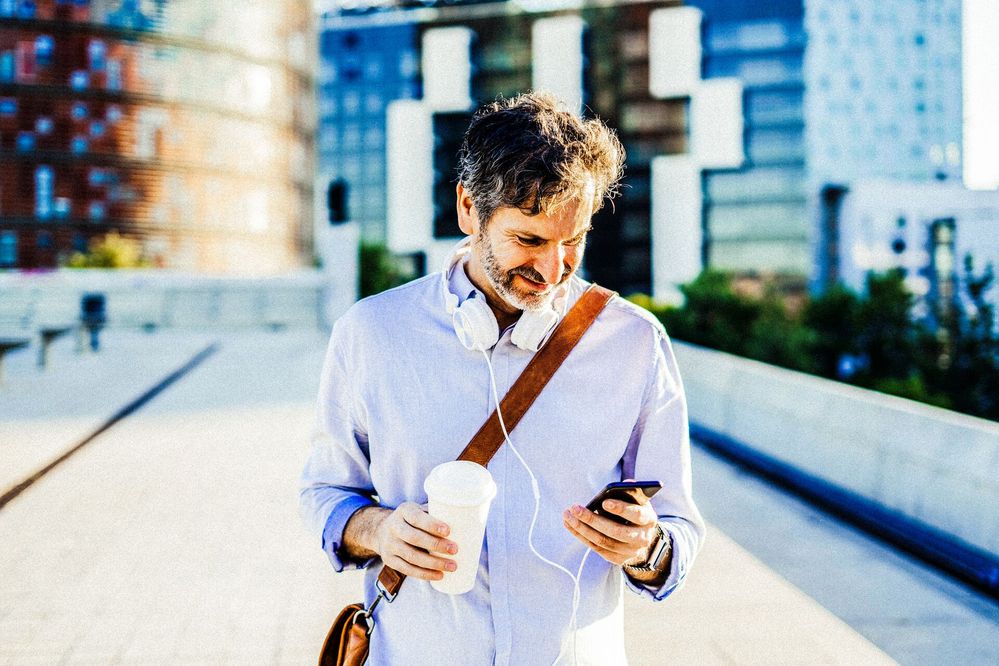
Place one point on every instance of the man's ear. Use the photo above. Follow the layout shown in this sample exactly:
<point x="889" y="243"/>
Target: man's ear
<point x="468" y="219"/>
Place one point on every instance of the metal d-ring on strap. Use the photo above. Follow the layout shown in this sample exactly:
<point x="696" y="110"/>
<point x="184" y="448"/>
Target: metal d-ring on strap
<point x="368" y="614"/>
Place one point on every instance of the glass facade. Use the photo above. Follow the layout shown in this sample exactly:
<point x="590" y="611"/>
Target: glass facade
<point x="361" y="71"/>
<point x="369" y="59"/>
<point x="183" y="124"/>
<point x="758" y="216"/>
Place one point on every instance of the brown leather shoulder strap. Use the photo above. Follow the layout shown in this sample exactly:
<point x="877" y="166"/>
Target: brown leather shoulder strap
<point x="536" y="375"/>
<point x="523" y="393"/>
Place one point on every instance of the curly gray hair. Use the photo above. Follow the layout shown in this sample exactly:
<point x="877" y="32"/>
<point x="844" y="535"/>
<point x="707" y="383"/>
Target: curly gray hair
<point x="530" y="152"/>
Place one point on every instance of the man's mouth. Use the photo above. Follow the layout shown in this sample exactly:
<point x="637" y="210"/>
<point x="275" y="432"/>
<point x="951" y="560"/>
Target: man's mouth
<point x="536" y="286"/>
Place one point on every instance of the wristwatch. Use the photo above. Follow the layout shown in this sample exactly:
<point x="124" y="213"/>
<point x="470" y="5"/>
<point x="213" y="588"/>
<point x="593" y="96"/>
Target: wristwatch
<point x="658" y="556"/>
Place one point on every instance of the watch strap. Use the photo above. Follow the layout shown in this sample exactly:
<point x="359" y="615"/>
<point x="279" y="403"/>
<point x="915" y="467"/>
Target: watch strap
<point x="660" y="553"/>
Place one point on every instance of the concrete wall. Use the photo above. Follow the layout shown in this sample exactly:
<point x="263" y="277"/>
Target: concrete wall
<point x="137" y="298"/>
<point x="932" y="465"/>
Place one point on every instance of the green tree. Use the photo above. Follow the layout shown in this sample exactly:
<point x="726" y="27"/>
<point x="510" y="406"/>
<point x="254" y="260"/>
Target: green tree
<point x="777" y="337"/>
<point x="961" y="358"/>
<point x="379" y="270"/>
<point x="886" y="337"/>
<point x="713" y="315"/>
<point x="832" y="317"/>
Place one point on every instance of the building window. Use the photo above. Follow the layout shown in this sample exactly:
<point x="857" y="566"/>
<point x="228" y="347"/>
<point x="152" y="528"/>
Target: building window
<point x="79" y="80"/>
<point x="44" y="240"/>
<point x="8" y="107"/>
<point x="8" y="249"/>
<point x="43" y="191"/>
<point x="44" y="48"/>
<point x="351" y="103"/>
<point x="407" y="65"/>
<point x="96" y="211"/>
<point x="97" y="53"/>
<point x="351" y="40"/>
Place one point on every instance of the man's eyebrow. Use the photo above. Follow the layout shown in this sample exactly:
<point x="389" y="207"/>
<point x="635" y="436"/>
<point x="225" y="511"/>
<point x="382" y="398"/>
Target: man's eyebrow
<point x="529" y="236"/>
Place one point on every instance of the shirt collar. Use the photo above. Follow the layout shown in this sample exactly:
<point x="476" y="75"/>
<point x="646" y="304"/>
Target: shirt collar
<point x="460" y="284"/>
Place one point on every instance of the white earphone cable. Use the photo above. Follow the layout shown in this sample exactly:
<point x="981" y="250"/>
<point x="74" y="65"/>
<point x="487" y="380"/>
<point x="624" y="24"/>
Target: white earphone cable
<point x="535" y="490"/>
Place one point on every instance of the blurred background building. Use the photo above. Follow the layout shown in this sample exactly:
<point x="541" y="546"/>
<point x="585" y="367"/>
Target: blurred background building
<point x="745" y="123"/>
<point x="183" y="124"/>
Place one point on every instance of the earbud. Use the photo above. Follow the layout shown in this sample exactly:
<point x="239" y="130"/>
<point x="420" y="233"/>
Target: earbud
<point x="476" y="326"/>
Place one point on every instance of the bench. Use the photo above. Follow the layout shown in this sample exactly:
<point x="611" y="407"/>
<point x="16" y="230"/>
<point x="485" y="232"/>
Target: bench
<point x="8" y="345"/>
<point x="47" y="335"/>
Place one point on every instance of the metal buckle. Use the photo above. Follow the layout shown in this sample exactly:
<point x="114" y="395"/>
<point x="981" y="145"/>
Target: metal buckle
<point x="382" y="592"/>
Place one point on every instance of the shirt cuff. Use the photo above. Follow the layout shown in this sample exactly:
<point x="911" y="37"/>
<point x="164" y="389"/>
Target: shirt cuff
<point x="672" y="582"/>
<point x="333" y="533"/>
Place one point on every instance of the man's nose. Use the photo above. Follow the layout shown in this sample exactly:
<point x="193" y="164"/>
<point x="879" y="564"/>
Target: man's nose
<point x="550" y="263"/>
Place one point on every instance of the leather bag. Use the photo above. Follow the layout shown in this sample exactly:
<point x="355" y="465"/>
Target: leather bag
<point x="348" y="639"/>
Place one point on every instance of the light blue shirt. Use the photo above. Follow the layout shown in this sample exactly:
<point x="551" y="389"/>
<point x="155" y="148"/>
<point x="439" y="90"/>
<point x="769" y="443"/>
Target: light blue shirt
<point x="399" y="395"/>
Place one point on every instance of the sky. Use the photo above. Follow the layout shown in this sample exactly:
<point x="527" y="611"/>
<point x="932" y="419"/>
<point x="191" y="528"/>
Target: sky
<point x="981" y="94"/>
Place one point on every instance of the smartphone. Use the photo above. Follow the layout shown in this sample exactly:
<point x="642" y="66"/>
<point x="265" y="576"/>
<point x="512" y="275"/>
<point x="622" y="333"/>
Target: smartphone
<point x="624" y="491"/>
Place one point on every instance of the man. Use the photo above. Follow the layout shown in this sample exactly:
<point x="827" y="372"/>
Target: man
<point x="401" y="394"/>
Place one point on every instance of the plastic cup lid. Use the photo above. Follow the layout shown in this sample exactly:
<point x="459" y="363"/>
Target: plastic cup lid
<point x="460" y="483"/>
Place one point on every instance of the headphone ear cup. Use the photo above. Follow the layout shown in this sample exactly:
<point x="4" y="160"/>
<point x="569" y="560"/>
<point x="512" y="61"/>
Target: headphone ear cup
<point x="532" y="328"/>
<point x="475" y="325"/>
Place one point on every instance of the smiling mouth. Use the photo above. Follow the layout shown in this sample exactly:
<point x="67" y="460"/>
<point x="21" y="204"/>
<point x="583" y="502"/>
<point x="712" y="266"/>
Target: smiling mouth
<point x="537" y="286"/>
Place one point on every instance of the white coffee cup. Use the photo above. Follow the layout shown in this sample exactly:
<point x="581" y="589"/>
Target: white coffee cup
<point x="459" y="494"/>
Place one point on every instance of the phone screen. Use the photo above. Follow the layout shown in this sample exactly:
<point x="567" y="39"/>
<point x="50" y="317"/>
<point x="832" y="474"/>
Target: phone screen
<point x="624" y="491"/>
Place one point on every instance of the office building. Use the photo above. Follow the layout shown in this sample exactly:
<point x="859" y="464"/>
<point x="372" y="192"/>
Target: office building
<point x="925" y="229"/>
<point x="185" y="125"/>
<point x="740" y="118"/>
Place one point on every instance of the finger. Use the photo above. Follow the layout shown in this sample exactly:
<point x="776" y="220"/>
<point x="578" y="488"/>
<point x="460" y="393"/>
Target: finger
<point x="420" y="562"/>
<point x="598" y="537"/>
<point x="639" y="514"/>
<point x="623" y="533"/>
<point x="417" y="517"/>
<point x="404" y="567"/>
<point x="610" y="556"/>
<point x="417" y="537"/>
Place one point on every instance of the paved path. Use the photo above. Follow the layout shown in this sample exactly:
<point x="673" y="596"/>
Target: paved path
<point x="174" y="538"/>
<point x="46" y="412"/>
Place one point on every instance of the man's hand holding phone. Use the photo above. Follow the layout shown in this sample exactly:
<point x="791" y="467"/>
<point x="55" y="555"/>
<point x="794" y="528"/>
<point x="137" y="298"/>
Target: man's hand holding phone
<point x="626" y="532"/>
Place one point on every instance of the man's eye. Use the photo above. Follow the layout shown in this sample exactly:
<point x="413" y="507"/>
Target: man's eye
<point x="575" y="241"/>
<point x="528" y="241"/>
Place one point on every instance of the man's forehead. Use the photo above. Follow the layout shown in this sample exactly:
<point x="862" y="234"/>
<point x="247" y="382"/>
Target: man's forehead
<point x="573" y="219"/>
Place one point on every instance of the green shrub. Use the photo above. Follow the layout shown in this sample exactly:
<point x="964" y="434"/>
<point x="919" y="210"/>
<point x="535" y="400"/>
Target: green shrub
<point x="111" y="251"/>
<point x="869" y="339"/>
<point x="379" y="270"/>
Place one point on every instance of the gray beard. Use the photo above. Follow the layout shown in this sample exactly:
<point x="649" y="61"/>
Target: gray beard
<point x="502" y="283"/>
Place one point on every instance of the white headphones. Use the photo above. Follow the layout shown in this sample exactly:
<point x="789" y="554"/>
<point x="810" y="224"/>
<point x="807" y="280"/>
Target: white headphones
<point x="476" y="326"/>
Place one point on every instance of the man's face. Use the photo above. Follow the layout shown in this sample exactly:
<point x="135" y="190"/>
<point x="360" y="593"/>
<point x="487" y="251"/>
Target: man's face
<point x="525" y="258"/>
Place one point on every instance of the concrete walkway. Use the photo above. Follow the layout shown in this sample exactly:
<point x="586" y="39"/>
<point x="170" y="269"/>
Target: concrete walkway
<point x="174" y="538"/>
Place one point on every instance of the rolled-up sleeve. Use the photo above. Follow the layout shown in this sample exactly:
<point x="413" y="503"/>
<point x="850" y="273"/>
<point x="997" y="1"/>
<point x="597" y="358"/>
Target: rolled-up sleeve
<point x="336" y="481"/>
<point x="660" y="449"/>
